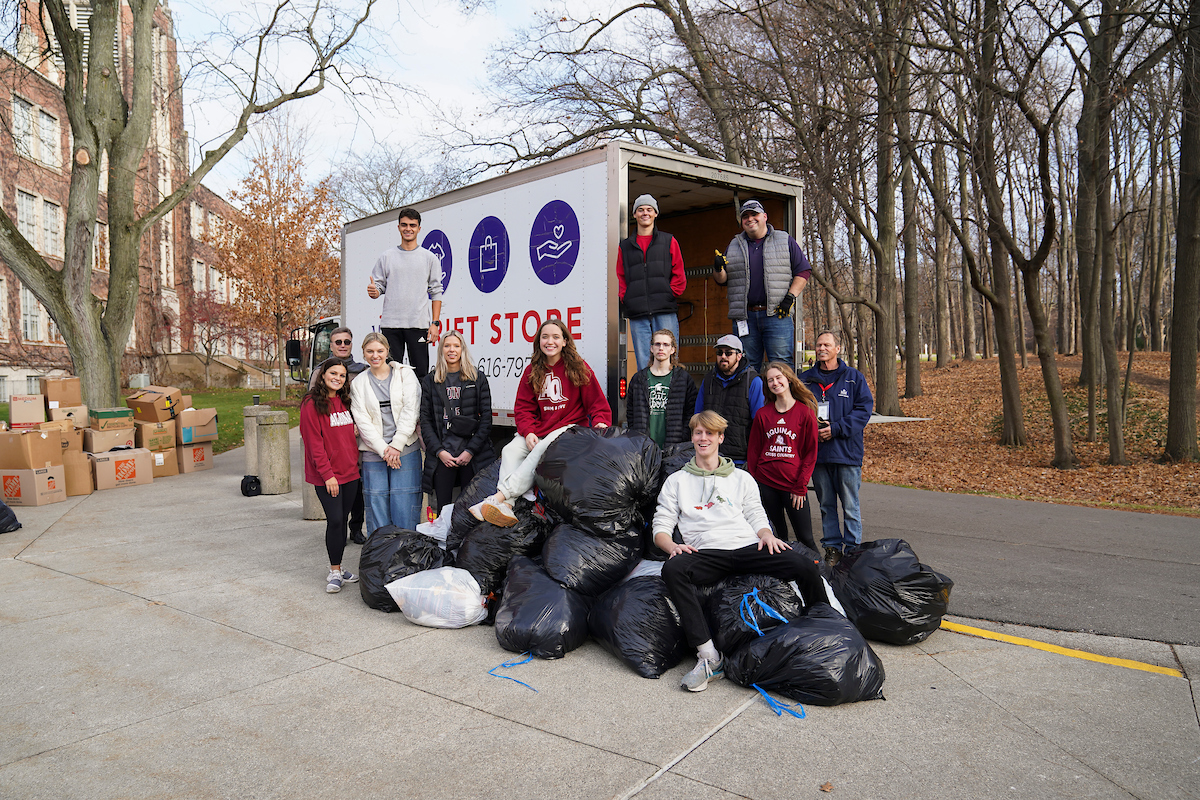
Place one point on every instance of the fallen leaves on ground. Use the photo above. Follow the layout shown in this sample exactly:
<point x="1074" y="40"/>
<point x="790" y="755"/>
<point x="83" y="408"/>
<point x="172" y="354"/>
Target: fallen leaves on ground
<point x="956" y="450"/>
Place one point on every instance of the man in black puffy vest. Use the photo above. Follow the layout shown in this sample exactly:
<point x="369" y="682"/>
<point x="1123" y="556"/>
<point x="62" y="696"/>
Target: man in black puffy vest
<point x="734" y="391"/>
<point x="650" y="279"/>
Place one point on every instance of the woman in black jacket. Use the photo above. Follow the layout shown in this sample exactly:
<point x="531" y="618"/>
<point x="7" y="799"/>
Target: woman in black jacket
<point x="662" y="397"/>
<point x="456" y="420"/>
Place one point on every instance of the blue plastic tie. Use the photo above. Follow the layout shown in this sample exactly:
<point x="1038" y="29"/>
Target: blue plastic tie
<point x="510" y="665"/>
<point x="746" y="609"/>
<point x="779" y="707"/>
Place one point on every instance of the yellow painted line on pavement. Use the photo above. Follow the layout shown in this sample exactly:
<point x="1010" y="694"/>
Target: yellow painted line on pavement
<point x="1062" y="651"/>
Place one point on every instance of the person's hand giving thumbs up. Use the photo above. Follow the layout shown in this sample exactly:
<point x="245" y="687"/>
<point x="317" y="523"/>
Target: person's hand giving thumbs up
<point x="372" y="289"/>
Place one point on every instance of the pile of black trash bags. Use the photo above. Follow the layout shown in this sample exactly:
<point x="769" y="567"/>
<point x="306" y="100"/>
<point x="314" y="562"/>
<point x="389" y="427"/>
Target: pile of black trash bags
<point x="579" y="563"/>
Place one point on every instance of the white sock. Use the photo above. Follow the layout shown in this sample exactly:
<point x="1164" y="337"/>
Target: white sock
<point x="708" y="651"/>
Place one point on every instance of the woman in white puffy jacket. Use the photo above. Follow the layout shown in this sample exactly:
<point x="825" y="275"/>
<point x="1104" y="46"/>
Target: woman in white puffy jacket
<point x="385" y="400"/>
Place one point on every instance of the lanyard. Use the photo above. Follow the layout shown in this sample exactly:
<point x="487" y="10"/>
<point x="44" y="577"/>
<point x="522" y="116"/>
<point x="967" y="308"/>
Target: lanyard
<point x="825" y="388"/>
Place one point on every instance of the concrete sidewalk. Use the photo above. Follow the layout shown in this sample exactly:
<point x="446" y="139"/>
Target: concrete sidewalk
<point x="176" y="640"/>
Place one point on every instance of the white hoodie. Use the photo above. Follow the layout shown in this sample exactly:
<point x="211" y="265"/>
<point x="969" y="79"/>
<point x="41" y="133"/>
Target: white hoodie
<point x="713" y="512"/>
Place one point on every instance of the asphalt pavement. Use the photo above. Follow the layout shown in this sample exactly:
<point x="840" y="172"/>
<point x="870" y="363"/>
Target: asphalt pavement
<point x="175" y="640"/>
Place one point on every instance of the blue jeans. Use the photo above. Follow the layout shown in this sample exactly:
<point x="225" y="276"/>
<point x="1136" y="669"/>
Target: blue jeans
<point x="770" y="333"/>
<point x="393" y="496"/>
<point x="642" y="331"/>
<point x="833" y="482"/>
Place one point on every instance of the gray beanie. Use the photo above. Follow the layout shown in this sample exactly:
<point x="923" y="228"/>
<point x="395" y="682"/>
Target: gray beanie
<point x="645" y="200"/>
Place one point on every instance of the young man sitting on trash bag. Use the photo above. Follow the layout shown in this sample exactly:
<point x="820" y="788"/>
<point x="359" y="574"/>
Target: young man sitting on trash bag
<point x="725" y="532"/>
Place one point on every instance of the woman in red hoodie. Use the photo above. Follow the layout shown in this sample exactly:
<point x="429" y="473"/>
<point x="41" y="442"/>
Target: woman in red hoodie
<point x="557" y="390"/>
<point x="331" y="459"/>
<point x="782" y="451"/>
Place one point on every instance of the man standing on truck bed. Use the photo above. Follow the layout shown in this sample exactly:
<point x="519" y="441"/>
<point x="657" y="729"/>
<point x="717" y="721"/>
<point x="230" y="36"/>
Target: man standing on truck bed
<point x="409" y="276"/>
<point x="765" y="270"/>
<point x="650" y="279"/>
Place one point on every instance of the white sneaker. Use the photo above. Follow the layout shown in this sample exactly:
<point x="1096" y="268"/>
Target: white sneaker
<point x="477" y="509"/>
<point x="704" y="671"/>
<point x="499" y="512"/>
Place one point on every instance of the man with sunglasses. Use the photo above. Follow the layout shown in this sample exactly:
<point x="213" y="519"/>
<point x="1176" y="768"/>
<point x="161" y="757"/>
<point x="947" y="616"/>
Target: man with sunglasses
<point x="733" y="390"/>
<point x="765" y="270"/>
<point x="341" y="345"/>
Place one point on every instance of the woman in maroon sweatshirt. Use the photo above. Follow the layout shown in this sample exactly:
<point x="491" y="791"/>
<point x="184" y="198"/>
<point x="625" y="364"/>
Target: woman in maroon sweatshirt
<point x="782" y="451"/>
<point x="557" y="390"/>
<point x="331" y="459"/>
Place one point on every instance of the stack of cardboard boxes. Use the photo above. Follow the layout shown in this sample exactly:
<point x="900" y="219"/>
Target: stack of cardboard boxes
<point x="45" y="460"/>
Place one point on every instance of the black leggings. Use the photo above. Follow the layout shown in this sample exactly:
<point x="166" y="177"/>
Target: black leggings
<point x="337" y="513"/>
<point x="446" y="478"/>
<point x="778" y="505"/>
<point x="410" y="338"/>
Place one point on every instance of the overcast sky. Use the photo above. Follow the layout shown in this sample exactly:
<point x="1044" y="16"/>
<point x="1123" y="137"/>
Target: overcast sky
<point x="431" y="44"/>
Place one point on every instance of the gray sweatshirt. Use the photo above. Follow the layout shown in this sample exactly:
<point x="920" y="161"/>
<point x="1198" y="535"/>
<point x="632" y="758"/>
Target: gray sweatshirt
<point x="408" y="280"/>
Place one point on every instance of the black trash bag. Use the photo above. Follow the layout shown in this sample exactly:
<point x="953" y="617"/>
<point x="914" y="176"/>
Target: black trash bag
<point x="636" y="622"/>
<point x="888" y="594"/>
<point x="600" y="479"/>
<point x="483" y="485"/>
<point x="486" y="551"/>
<point x="820" y="658"/>
<point x="675" y="457"/>
<point x="587" y="563"/>
<point x="8" y="520"/>
<point x="389" y="554"/>
<point x="722" y="608"/>
<point x="539" y="615"/>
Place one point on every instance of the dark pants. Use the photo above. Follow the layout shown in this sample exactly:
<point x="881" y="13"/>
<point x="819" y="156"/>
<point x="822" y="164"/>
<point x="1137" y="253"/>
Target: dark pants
<point x="446" y="478"/>
<point x="358" y="511"/>
<point x="418" y="351"/>
<point x="684" y="572"/>
<point x="778" y="505"/>
<point x="337" y="512"/>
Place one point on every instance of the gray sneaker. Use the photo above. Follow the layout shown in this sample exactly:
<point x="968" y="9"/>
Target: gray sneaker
<point x="704" y="671"/>
<point x="333" y="584"/>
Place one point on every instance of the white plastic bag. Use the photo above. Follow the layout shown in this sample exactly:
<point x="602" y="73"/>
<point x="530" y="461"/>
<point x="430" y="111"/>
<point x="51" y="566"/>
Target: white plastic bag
<point x="439" y="528"/>
<point x="644" y="568"/>
<point x="446" y="597"/>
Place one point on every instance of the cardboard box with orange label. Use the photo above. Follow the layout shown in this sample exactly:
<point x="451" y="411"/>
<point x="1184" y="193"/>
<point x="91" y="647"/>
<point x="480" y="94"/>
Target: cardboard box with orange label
<point x="110" y="419"/>
<point x="32" y="449"/>
<point x="122" y="468"/>
<point x="34" y="487"/>
<point x="103" y="441"/>
<point x="26" y="411"/>
<point x="76" y="415"/>
<point x="155" y="435"/>
<point x="195" y="457"/>
<point x="61" y="392"/>
<point x="197" y="425"/>
<point x="165" y="463"/>
<point x="155" y="403"/>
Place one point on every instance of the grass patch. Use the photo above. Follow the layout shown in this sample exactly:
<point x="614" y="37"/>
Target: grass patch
<point x="229" y="404"/>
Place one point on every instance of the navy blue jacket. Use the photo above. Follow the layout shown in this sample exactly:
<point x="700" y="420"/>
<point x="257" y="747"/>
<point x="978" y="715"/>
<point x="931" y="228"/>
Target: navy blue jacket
<point x="850" y="406"/>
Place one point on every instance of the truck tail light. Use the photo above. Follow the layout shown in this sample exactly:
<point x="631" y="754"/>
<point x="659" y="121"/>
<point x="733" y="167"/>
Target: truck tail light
<point x="622" y="387"/>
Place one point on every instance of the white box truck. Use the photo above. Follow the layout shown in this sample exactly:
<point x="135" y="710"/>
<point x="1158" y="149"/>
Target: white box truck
<point x="542" y="242"/>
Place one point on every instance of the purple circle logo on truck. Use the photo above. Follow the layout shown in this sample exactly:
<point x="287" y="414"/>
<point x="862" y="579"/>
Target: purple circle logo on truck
<point x="438" y="244"/>
<point x="554" y="242"/>
<point x="487" y="257"/>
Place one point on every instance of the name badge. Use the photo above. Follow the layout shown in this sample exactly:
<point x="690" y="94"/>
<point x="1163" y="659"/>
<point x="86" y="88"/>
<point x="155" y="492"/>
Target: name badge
<point x="823" y="411"/>
<point x="743" y="329"/>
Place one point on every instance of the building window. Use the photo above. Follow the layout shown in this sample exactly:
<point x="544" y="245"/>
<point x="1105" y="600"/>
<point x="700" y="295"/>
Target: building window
<point x="31" y="317"/>
<point x="198" y="274"/>
<point x="23" y="126"/>
<point x="32" y="385"/>
<point x="48" y="139"/>
<point x="35" y="133"/>
<point x="27" y="217"/>
<point x="197" y="222"/>
<point x="52" y="241"/>
<point x="4" y="398"/>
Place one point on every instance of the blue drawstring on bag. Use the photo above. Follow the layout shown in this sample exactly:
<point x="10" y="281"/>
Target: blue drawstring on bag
<point x="779" y="707"/>
<point x="510" y="665"/>
<point x="747" y="611"/>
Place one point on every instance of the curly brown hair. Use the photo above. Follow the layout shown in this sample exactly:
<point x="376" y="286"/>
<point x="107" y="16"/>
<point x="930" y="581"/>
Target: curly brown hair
<point x="577" y="369"/>
<point x="318" y="395"/>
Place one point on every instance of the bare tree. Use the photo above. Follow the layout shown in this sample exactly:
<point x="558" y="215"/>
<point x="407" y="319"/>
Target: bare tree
<point x="383" y="179"/>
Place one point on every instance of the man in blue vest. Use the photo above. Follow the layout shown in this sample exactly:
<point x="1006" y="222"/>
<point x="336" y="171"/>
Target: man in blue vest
<point x="650" y="279"/>
<point x="733" y="390"/>
<point x="765" y="270"/>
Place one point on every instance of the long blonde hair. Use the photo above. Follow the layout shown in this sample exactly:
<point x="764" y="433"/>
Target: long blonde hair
<point x="466" y="369"/>
<point x="795" y="385"/>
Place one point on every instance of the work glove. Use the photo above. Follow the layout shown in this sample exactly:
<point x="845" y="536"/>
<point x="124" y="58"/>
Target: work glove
<point x="720" y="262"/>
<point x="785" y="308"/>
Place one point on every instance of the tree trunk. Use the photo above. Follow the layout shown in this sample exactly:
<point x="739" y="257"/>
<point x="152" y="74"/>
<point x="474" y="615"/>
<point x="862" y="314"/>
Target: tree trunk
<point x="964" y="213"/>
<point x="1108" y="339"/>
<point x="941" y="257"/>
<point x="912" y="278"/>
<point x="1064" y="448"/>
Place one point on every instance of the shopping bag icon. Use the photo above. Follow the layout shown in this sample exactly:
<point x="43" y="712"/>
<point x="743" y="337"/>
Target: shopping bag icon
<point x="489" y="255"/>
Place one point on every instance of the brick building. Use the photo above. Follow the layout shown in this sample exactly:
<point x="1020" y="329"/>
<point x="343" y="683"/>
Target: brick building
<point x="175" y="263"/>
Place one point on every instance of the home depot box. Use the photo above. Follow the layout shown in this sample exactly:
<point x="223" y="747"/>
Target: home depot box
<point x="195" y="457"/>
<point x="26" y="410"/>
<point x="110" y="419"/>
<point x="122" y="468"/>
<point x="32" y="449"/>
<point x="34" y="487"/>
<point x="61" y="392"/>
<point x="197" y="425"/>
<point x="78" y="469"/>
<point x="154" y="435"/>
<point x="103" y="441"/>
<point x="165" y="463"/>
<point x="76" y="415"/>
<point x="155" y="403"/>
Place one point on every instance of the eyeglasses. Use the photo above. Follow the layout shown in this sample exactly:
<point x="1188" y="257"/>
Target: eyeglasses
<point x="343" y="341"/>
<point x="725" y="351"/>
